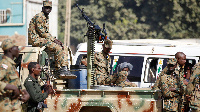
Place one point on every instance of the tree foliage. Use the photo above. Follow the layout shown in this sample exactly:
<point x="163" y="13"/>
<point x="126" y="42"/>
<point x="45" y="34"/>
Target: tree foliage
<point x="135" y="19"/>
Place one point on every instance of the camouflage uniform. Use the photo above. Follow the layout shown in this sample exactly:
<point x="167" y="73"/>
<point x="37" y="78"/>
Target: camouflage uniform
<point x="102" y="70"/>
<point x="38" y="36"/>
<point x="172" y="99"/>
<point x="102" y="62"/>
<point x="178" y="70"/>
<point x="8" y="75"/>
<point x="35" y="91"/>
<point x="193" y="88"/>
<point x="120" y="80"/>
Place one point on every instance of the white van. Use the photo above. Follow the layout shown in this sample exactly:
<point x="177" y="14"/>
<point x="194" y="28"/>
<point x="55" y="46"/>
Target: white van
<point x="148" y="56"/>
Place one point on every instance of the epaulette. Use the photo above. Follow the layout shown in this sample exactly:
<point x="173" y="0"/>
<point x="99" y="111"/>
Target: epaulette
<point x="29" y="79"/>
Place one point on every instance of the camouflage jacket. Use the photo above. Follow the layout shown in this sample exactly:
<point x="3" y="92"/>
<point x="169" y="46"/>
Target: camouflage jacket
<point x="8" y="75"/>
<point x="194" y="79"/>
<point x="178" y="70"/>
<point x="167" y="81"/>
<point x="193" y="88"/>
<point x="172" y="99"/>
<point x="102" y="63"/>
<point x="38" y="29"/>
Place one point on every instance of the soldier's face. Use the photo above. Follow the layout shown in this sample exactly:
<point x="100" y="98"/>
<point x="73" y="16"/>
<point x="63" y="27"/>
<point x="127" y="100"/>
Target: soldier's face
<point x="125" y="69"/>
<point x="182" y="60"/>
<point x="171" y="67"/>
<point x="47" y="9"/>
<point x="15" y="51"/>
<point x="37" y="70"/>
<point x="106" y="50"/>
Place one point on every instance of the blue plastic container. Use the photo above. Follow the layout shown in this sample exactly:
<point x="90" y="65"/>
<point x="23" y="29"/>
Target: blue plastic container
<point x="81" y="81"/>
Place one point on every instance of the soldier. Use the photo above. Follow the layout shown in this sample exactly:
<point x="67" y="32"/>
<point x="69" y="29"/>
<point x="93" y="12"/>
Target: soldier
<point x="102" y="63"/>
<point x="192" y="91"/>
<point x="9" y="79"/>
<point x="34" y="88"/>
<point x="181" y="60"/>
<point x="172" y="86"/>
<point x="120" y="78"/>
<point x="38" y="35"/>
<point x="188" y="72"/>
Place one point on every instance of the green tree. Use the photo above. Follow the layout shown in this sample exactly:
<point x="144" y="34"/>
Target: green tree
<point x="135" y="19"/>
<point x="61" y="19"/>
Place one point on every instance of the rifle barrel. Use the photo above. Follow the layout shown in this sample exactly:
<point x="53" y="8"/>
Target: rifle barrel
<point x="85" y="17"/>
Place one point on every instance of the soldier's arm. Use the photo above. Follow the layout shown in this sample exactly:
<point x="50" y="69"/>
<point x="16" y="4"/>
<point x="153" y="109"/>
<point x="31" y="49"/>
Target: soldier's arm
<point x="191" y="84"/>
<point x="157" y="84"/>
<point x="2" y="75"/>
<point x="165" y="88"/>
<point x="5" y="86"/>
<point x="35" y="92"/>
<point x="40" y="28"/>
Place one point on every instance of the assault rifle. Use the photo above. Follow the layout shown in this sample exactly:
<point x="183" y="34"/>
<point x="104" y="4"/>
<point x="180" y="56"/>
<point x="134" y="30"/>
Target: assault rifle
<point x="98" y="35"/>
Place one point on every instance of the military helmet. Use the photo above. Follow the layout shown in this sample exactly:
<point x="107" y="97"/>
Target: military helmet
<point x="47" y="3"/>
<point x="108" y="43"/>
<point x="8" y="43"/>
<point x="171" y="61"/>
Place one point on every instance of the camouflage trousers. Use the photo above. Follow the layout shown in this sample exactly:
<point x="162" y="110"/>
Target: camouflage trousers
<point x="102" y="79"/>
<point x="8" y="105"/>
<point x="127" y="84"/>
<point x="61" y="54"/>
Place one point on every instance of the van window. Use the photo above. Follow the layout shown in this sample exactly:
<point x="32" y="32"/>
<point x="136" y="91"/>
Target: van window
<point x="153" y="68"/>
<point x="135" y="61"/>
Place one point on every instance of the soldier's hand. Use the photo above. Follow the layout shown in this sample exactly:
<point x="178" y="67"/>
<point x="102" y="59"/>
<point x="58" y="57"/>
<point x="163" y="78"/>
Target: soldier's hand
<point x="185" y="82"/>
<point x="58" y="42"/>
<point x="172" y="89"/>
<point x="51" y="91"/>
<point x="48" y="89"/>
<point x="25" y="96"/>
<point x="15" y="93"/>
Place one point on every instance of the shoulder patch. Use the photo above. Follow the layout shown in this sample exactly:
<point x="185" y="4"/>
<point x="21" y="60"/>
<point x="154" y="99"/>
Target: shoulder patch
<point x="5" y="66"/>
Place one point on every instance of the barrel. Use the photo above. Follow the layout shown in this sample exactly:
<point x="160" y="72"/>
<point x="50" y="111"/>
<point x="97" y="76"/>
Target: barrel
<point x="81" y="81"/>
